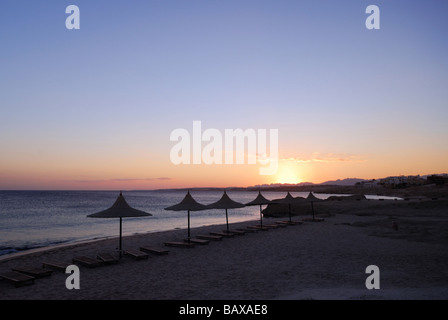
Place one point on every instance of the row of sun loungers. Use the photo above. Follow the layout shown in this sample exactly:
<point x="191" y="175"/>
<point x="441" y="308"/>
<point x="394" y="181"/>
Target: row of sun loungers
<point x="18" y="278"/>
<point x="218" y="236"/>
<point x="26" y="275"/>
<point x="21" y="276"/>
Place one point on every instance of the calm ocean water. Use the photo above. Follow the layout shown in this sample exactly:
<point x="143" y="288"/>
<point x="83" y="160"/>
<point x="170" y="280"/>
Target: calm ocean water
<point x="33" y="219"/>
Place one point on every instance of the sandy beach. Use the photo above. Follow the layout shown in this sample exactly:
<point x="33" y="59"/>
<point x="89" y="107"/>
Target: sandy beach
<point x="313" y="260"/>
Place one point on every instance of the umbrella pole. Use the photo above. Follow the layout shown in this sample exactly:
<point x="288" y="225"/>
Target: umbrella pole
<point x="119" y="248"/>
<point x="312" y="208"/>
<point x="261" y="218"/>
<point x="289" y="212"/>
<point x="188" y="225"/>
<point x="227" y="221"/>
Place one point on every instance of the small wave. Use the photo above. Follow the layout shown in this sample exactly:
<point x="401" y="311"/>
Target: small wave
<point x="11" y="250"/>
<point x="4" y="251"/>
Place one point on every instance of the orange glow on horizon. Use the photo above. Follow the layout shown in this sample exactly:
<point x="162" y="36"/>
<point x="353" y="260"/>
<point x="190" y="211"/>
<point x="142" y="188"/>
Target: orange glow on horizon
<point x="155" y="171"/>
<point x="287" y="173"/>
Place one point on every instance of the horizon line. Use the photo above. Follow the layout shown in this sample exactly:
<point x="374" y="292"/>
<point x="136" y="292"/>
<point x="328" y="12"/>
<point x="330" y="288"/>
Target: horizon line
<point x="299" y="184"/>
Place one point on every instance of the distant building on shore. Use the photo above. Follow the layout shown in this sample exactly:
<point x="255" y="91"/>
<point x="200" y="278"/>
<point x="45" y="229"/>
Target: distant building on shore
<point x="437" y="179"/>
<point x="402" y="181"/>
<point x="408" y="181"/>
<point x="367" y="183"/>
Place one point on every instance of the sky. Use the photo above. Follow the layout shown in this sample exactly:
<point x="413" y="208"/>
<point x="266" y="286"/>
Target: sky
<point x="94" y="108"/>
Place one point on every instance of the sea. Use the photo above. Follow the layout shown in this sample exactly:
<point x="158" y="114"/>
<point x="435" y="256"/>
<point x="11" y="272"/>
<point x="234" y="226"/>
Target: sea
<point x="36" y="219"/>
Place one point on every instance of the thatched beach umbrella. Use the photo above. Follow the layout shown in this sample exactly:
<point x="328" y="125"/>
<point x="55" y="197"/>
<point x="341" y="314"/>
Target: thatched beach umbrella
<point x="187" y="204"/>
<point x="289" y="200"/>
<point x="120" y="209"/>
<point x="225" y="203"/>
<point x="259" y="200"/>
<point x="312" y="198"/>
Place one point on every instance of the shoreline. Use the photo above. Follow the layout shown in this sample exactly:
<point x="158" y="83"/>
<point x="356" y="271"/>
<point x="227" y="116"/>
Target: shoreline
<point x="39" y="246"/>
<point x="92" y="241"/>
<point x="314" y="260"/>
<point x="25" y="252"/>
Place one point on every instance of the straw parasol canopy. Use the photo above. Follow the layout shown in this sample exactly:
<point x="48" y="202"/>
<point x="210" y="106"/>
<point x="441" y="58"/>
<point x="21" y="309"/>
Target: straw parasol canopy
<point x="312" y="197"/>
<point x="289" y="200"/>
<point x="120" y="209"/>
<point x="259" y="200"/>
<point x="187" y="204"/>
<point x="225" y="203"/>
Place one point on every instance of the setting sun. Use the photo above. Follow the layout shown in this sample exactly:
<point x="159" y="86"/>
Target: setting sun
<point x="287" y="173"/>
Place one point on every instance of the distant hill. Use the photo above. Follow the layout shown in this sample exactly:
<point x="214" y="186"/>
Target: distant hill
<point x="343" y="182"/>
<point x="339" y="182"/>
<point x="303" y="186"/>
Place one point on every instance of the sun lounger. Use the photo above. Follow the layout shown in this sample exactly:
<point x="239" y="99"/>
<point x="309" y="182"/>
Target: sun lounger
<point x="236" y="232"/>
<point x="272" y="226"/>
<point x="292" y="223"/>
<point x="207" y="237"/>
<point x="156" y="251"/>
<point x="313" y="220"/>
<point x="53" y="264"/>
<point x="179" y="244"/>
<point x="280" y="225"/>
<point x="19" y="279"/>
<point x="34" y="272"/>
<point x="137" y="254"/>
<point x="222" y="234"/>
<point x="86" y="261"/>
<point x="258" y="228"/>
<point x="197" y="241"/>
<point x="247" y="230"/>
<point x="107" y="258"/>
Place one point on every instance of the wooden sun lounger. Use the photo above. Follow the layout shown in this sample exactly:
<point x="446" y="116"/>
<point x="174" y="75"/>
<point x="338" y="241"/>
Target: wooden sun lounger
<point x="107" y="258"/>
<point x="285" y="222"/>
<point x="197" y="241"/>
<point x="222" y="234"/>
<point x="19" y="279"/>
<point x="258" y="228"/>
<point x="53" y="264"/>
<point x="34" y="272"/>
<point x="271" y="226"/>
<point x="179" y="244"/>
<point x="291" y="223"/>
<point x="86" y="261"/>
<point x="156" y="251"/>
<point x="247" y="230"/>
<point x="313" y="220"/>
<point x="235" y="232"/>
<point x="279" y="225"/>
<point x="207" y="237"/>
<point x="137" y="254"/>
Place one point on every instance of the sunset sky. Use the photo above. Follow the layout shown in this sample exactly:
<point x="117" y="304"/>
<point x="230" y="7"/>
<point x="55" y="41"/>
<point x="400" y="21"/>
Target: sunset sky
<point x="94" y="108"/>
